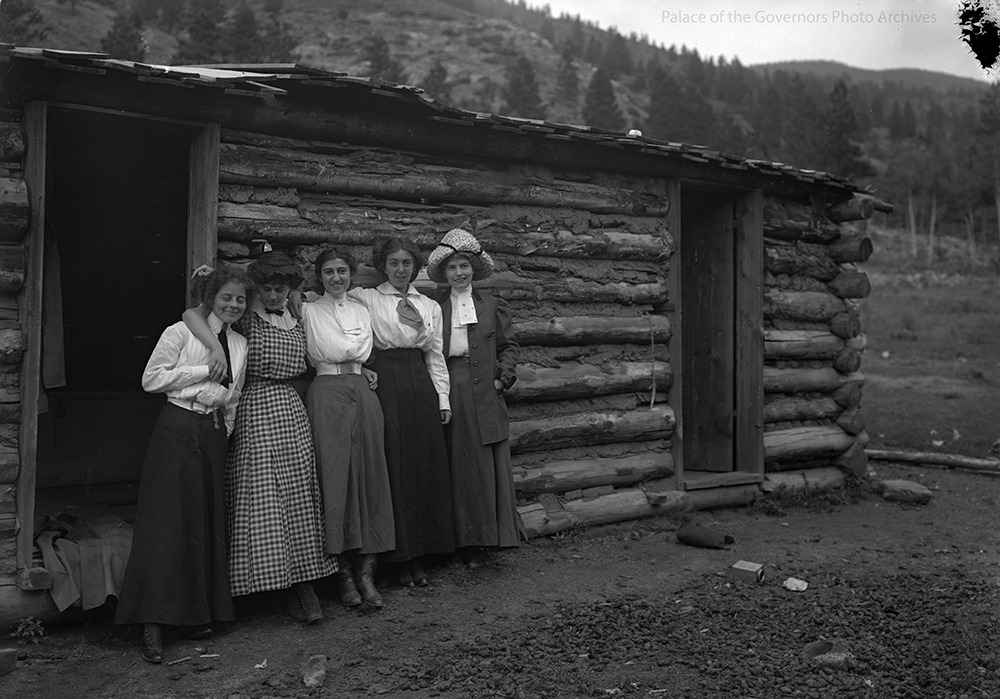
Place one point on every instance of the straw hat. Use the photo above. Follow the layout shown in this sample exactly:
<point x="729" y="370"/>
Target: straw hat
<point x="458" y="240"/>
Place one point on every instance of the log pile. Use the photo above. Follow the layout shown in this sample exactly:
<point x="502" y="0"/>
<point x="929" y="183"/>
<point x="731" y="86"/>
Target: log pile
<point x="812" y="336"/>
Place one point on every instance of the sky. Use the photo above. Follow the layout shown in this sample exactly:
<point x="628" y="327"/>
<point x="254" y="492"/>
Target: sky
<point x="877" y="34"/>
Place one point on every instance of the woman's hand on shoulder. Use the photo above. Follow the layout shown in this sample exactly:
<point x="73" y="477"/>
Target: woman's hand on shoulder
<point x="295" y="300"/>
<point x="218" y="367"/>
<point x="202" y="271"/>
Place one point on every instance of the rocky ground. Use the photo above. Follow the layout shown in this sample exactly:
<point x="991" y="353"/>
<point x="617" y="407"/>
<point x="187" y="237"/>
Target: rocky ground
<point x="901" y="602"/>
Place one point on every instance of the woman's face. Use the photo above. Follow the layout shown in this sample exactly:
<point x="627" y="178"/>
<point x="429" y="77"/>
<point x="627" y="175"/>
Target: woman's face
<point x="230" y="303"/>
<point x="335" y="276"/>
<point x="273" y="295"/>
<point x="399" y="269"/>
<point x="458" y="272"/>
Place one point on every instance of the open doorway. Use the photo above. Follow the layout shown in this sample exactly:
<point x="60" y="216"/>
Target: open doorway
<point x="116" y="214"/>
<point x="721" y="349"/>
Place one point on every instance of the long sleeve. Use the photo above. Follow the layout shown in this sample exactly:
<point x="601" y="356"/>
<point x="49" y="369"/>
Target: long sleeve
<point x="164" y="372"/>
<point x="434" y="359"/>
<point x="507" y="348"/>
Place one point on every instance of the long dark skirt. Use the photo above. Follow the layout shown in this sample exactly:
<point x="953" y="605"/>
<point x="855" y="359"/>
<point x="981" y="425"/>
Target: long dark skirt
<point x="177" y="571"/>
<point x="416" y="454"/>
<point x="482" y="481"/>
<point x="348" y="431"/>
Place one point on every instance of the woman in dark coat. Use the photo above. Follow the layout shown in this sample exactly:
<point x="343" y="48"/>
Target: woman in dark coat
<point x="482" y="351"/>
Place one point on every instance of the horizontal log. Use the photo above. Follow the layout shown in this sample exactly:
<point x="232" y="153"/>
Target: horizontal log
<point x="811" y="479"/>
<point x="851" y="249"/>
<point x="352" y="228"/>
<point x="14" y="210"/>
<point x="11" y="142"/>
<point x="806" y="443"/>
<point x="845" y="325"/>
<point x="805" y="379"/>
<point x="542" y="434"/>
<point x="854" y="460"/>
<point x="589" y="330"/>
<point x="563" y="476"/>
<point x="812" y="306"/>
<point x="853" y="209"/>
<point x="801" y="344"/>
<point x="800" y="259"/>
<point x="11" y="345"/>
<point x="11" y="269"/>
<point x="847" y="361"/>
<point x="851" y="285"/>
<point x="925" y="458"/>
<point x="852" y="421"/>
<point x="880" y="204"/>
<point x="800" y="409"/>
<point x="571" y="290"/>
<point x="858" y="343"/>
<point x="621" y="505"/>
<point x="316" y="172"/>
<point x="585" y="380"/>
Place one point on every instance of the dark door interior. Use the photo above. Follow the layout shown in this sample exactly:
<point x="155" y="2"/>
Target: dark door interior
<point x="116" y="210"/>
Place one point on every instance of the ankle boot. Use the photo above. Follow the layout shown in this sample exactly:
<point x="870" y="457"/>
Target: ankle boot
<point x="364" y="578"/>
<point x="308" y="602"/>
<point x="343" y="581"/>
<point x="152" y="646"/>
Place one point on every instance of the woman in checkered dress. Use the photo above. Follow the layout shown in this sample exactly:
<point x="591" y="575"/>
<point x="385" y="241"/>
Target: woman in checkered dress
<point x="275" y="515"/>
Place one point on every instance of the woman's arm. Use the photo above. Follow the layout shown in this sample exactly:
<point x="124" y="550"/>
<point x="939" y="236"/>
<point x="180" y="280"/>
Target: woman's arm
<point x="436" y="365"/>
<point x="507" y="348"/>
<point x="162" y="372"/>
<point x="196" y="319"/>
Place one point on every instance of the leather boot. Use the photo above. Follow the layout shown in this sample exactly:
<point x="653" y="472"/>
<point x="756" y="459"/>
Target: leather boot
<point x="343" y="581"/>
<point x="308" y="602"/>
<point x="364" y="578"/>
<point x="152" y="645"/>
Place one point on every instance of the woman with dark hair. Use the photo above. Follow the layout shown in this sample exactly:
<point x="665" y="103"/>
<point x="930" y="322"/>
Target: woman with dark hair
<point x="482" y="355"/>
<point x="177" y="572"/>
<point x="413" y="391"/>
<point x="272" y="492"/>
<point x="347" y="429"/>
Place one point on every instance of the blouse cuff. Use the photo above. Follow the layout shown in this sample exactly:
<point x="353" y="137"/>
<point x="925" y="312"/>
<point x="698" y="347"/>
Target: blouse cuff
<point x="199" y="373"/>
<point x="443" y="402"/>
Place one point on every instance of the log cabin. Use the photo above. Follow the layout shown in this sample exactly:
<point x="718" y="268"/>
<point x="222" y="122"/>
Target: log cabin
<point x="688" y="319"/>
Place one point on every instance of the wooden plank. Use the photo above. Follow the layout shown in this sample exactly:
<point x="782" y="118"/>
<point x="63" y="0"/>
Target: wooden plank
<point x="698" y="480"/>
<point x="30" y="304"/>
<point x="203" y="200"/>
<point x="748" y="436"/>
<point x="673" y="310"/>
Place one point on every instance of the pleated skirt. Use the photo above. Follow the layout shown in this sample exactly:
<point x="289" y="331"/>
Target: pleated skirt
<point x="416" y="455"/>
<point x="177" y="570"/>
<point x="482" y="480"/>
<point x="348" y="432"/>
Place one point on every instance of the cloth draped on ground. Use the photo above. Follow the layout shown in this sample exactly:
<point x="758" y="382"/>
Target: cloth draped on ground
<point x="416" y="455"/>
<point x="485" y="504"/>
<point x="86" y="557"/>
<point x="272" y="490"/>
<point x="177" y="571"/>
<point x="357" y="500"/>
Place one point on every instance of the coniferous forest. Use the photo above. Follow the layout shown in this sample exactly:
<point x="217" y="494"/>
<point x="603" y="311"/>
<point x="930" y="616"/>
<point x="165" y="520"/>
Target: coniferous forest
<point x="927" y="142"/>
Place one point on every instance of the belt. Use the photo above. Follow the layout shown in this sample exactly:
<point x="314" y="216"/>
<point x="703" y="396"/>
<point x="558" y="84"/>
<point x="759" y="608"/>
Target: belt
<point x="339" y="369"/>
<point x="194" y="406"/>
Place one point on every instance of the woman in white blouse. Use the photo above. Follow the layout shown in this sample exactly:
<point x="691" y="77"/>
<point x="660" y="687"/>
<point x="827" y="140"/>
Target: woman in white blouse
<point x="348" y="429"/>
<point x="413" y="389"/>
<point x="177" y="571"/>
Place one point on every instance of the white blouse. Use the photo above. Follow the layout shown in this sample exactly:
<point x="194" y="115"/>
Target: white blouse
<point x="284" y="321"/>
<point x="391" y="333"/>
<point x="178" y="367"/>
<point x="463" y="314"/>
<point x="337" y="331"/>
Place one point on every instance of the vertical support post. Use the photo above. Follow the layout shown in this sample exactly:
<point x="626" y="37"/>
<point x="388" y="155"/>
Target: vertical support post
<point x="203" y="200"/>
<point x="749" y="300"/>
<point x="674" y="312"/>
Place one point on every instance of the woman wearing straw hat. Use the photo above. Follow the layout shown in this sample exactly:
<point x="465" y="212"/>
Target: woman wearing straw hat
<point x="482" y="351"/>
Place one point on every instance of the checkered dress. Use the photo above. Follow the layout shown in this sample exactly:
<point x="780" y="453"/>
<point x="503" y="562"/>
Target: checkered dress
<point x="276" y="528"/>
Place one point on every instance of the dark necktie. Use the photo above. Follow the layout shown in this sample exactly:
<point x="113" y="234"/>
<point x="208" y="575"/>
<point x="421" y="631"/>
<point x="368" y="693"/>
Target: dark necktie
<point x="224" y="341"/>
<point x="277" y="311"/>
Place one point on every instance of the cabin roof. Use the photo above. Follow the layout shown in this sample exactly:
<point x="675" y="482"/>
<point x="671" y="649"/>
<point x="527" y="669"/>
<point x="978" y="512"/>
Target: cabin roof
<point x="271" y="81"/>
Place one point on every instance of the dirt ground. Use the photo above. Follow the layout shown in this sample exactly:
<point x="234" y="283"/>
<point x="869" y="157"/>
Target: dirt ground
<point x="621" y="610"/>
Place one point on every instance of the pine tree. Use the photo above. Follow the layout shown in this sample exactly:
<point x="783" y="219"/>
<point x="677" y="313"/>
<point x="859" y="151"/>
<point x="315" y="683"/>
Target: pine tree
<point x="666" y="112"/>
<point x="600" y="108"/>
<point x="204" y="41"/>
<point x="842" y="155"/>
<point x="381" y="63"/>
<point x="616" y="59"/>
<point x="521" y="92"/>
<point x="242" y="38"/>
<point x="436" y="83"/>
<point x="21" y="22"/>
<point x="124" y="38"/>
<point x="567" y="81"/>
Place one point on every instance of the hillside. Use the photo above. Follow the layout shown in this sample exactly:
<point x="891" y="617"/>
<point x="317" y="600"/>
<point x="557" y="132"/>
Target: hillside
<point x="906" y="77"/>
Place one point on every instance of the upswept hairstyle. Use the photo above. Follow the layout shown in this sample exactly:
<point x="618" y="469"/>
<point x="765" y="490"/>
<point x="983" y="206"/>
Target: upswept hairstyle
<point x="211" y="283"/>
<point x="386" y="246"/>
<point x="275" y="268"/>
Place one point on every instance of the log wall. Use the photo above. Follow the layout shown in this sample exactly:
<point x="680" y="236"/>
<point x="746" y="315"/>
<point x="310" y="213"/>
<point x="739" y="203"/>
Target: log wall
<point x="812" y="334"/>
<point x="581" y="257"/>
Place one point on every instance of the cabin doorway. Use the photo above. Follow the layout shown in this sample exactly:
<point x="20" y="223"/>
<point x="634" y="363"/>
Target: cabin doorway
<point x="721" y="339"/>
<point x="116" y="221"/>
